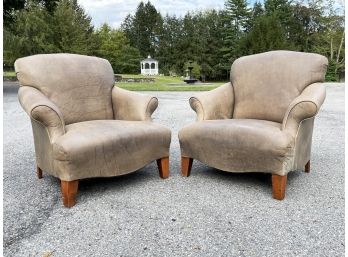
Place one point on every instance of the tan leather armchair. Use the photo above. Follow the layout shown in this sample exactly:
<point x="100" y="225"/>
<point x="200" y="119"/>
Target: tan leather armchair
<point x="85" y="127"/>
<point x="262" y="121"/>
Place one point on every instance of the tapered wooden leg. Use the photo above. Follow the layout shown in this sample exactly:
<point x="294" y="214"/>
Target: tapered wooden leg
<point x="38" y="172"/>
<point x="69" y="191"/>
<point x="186" y="165"/>
<point x="163" y="167"/>
<point x="308" y="167"/>
<point x="278" y="186"/>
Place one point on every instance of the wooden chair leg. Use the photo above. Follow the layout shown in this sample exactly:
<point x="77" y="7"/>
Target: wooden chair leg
<point x="186" y="165"/>
<point x="38" y="172"/>
<point x="69" y="191"/>
<point x="163" y="167"/>
<point x="278" y="186"/>
<point x="308" y="167"/>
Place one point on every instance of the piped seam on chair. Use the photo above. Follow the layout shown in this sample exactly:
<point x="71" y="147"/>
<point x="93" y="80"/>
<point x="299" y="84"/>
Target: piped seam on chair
<point x="194" y="100"/>
<point x="51" y="145"/>
<point x="298" y="130"/>
<point x="59" y="116"/>
<point x="149" y="106"/>
<point x="234" y="102"/>
<point x="43" y="105"/>
<point x="304" y="101"/>
<point x="48" y="133"/>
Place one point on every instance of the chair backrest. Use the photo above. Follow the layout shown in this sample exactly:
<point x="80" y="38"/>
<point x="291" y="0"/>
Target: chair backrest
<point x="265" y="84"/>
<point x="79" y="85"/>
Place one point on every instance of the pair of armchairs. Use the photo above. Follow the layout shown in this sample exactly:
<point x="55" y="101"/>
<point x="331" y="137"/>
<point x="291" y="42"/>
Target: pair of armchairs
<point x="84" y="126"/>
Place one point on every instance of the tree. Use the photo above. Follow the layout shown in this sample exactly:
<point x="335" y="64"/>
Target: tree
<point x="30" y="35"/>
<point x="212" y="39"/>
<point x="281" y="10"/>
<point x="168" y="53"/>
<point x="115" y="47"/>
<point x="237" y="13"/>
<point x="209" y="27"/>
<point x="36" y="30"/>
<point x="11" y="7"/>
<point x="72" y="28"/>
<point x="332" y="40"/>
<point x="236" y="16"/>
<point x="267" y="34"/>
<point x="143" y="28"/>
<point x="256" y="12"/>
<point x="303" y="27"/>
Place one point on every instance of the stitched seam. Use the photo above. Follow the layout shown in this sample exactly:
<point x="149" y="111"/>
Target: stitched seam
<point x="201" y="105"/>
<point x="298" y="130"/>
<point x="304" y="101"/>
<point x="62" y="122"/>
<point x="148" y="105"/>
<point x="48" y="133"/>
<point x="234" y="102"/>
<point x="112" y="101"/>
<point x="31" y="114"/>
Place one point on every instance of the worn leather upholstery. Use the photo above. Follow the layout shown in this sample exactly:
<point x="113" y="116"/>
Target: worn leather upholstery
<point x="83" y="126"/>
<point x="263" y="120"/>
<point x="79" y="85"/>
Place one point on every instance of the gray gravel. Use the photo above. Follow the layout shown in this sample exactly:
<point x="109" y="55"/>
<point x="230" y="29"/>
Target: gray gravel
<point x="211" y="213"/>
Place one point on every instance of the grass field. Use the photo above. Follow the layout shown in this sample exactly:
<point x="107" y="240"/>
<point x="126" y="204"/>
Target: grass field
<point x="162" y="83"/>
<point x="9" y="73"/>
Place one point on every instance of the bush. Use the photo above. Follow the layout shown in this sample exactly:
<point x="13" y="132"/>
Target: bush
<point x="331" y="74"/>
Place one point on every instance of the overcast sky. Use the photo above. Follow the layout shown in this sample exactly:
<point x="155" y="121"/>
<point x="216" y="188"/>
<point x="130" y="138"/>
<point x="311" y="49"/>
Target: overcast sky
<point x="114" y="11"/>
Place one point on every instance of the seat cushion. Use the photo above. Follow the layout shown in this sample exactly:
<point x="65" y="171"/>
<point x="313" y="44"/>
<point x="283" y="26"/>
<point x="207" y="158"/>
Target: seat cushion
<point x="238" y="145"/>
<point x="102" y="148"/>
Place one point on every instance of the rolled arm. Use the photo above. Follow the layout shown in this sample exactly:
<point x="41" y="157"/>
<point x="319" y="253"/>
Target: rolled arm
<point x="215" y="104"/>
<point x="128" y="105"/>
<point x="305" y="106"/>
<point x="42" y="110"/>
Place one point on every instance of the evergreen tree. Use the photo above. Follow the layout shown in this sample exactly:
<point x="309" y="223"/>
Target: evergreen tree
<point x="256" y="12"/>
<point x="11" y="7"/>
<point x="114" y="46"/>
<point x="282" y="10"/>
<point x="168" y="53"/>
<point x="30" y="35"/>
<point x="237" y="13"/>
<point x="211" y="39"/>
<point x="266" y="35"/>
<point x="72" y="28"/>
<point x="36" y="30"/>
<point x="236" y="17"/>
<point x="143" y="28"/>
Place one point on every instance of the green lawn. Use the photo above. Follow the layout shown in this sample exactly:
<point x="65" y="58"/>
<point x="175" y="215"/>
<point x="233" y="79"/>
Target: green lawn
<point x="9" y="73"/>
<point x="162" y="83"/>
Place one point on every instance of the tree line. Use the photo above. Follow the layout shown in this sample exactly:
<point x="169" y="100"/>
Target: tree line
<point x="211" y="39"/>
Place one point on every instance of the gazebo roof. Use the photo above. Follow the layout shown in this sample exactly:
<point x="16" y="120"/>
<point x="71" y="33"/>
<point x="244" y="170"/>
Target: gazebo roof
<point x="149" y="59"/>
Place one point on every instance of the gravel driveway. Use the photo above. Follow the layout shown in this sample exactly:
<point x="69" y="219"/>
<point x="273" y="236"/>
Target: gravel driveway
<point x="211" y="213"/>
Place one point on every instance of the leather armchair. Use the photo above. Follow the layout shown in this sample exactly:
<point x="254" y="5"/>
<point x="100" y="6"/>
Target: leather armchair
<point x="262" y="121"/>
<point x="83" y="125"/>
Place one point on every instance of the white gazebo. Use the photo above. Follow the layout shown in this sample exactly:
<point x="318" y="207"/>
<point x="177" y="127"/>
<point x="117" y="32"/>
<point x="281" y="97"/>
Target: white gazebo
<point x="149" y="66"/>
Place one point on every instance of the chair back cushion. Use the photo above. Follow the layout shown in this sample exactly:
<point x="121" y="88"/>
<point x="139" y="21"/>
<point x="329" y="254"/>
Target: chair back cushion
<point x="265" y="84"/>
<point x="79" y="85"/>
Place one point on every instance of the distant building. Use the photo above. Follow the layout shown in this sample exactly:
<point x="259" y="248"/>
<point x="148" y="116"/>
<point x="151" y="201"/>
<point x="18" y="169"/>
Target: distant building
<point x="149" y="66"/>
